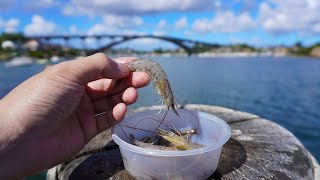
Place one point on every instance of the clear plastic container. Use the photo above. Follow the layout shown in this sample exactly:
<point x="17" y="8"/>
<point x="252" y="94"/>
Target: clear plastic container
<point x="201" y="163"/>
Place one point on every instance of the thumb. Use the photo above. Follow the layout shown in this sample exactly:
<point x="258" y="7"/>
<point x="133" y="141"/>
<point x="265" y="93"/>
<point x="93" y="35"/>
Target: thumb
<point x="92" y="67"/>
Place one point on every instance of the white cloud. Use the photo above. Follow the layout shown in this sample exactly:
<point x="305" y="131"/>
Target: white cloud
<point x="73" y="29"/>
<point x="316" y="28"/>
<point x="40" y="26"/>
<point x="273" y="16"/>
<point x="162" y="24"/>
<point x="246" y="5"/>
<point x="181" y="23"/>
<point x="280" y="17"/>
<point x="115" y="24"/>
<point x="121" y="21"/>
<point x="147" y="44"/>
<point x="135" y="7"/>
<point x="98" y="29"/>
<point x="46" y="3"/>
<point x="10" y="25"/>
<point x="159" y="33"/>
<point x="161" y="28"/>
<point x="101" y="28"/>
<point x="36" y="5"/>
<point x="225" y="22"/>
<point x="253" y="40"/>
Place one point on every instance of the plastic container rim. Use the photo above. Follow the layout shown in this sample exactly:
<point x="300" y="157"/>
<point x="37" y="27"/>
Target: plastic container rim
<point x="139" y="150"/>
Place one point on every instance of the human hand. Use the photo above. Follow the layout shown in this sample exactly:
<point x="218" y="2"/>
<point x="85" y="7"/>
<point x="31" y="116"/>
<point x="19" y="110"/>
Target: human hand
<point x="51" y="116"/>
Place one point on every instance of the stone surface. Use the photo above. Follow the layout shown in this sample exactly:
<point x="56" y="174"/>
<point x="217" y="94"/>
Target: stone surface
<point x="258" y="149"/>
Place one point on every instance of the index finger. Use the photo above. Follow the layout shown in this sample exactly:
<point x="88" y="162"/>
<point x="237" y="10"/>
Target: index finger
<point x="124" y="60"/>
<point x="90" y="68"/>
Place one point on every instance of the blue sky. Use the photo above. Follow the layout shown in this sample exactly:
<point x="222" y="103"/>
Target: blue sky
<point x="259" y="23"/>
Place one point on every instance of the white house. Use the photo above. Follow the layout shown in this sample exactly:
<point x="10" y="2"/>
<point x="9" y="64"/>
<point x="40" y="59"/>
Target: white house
<point x="8" y="45"/>
<point x="32" y="45"/>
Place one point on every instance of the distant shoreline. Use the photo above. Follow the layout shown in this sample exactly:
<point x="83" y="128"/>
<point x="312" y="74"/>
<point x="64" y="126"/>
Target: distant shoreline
<point x="7" y="56"/>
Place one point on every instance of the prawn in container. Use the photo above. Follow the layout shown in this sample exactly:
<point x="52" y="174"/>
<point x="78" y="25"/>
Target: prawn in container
<point x="162" y="85"/>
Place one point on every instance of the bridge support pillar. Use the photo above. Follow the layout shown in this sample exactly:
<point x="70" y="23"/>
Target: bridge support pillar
<point x="84" y="51"/>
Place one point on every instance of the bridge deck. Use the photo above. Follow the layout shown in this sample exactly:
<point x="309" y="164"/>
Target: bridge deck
<point x="183" y="43"/>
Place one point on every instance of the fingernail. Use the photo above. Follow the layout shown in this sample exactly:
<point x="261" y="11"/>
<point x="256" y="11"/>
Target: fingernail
<point x="123" y="68"/>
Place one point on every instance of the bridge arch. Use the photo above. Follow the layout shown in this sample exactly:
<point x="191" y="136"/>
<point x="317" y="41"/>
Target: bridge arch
<point x="128" y="38"/>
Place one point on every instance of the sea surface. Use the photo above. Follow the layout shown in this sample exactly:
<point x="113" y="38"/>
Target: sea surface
<point x="285" y="90"/>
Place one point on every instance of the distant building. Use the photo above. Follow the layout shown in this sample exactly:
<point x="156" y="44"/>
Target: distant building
<point x="32" y="45"/>
<point x="315" y="52"/>
<point x="281" y="51"/>
<point x="8" y="45"/>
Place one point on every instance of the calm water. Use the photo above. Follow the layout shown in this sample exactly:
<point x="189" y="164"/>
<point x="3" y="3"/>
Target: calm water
<point x="285" y="90"/>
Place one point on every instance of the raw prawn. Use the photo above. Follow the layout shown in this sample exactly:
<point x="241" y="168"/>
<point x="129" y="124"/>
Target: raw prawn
<point x="149" y="145"/>
<point x="179" y="141"/>
<point x="159" y="78"/>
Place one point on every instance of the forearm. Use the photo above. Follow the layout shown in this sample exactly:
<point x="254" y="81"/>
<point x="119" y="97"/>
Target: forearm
<point x="13" y="155"/>
<point x="5" y="138"/>
<point x="13" y="164"/>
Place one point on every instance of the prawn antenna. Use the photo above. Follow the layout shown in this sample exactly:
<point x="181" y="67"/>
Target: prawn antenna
<point x="161" y="107"/>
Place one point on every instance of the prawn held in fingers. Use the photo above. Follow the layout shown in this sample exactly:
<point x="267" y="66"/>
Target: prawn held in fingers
<point x="159" y="78"/>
